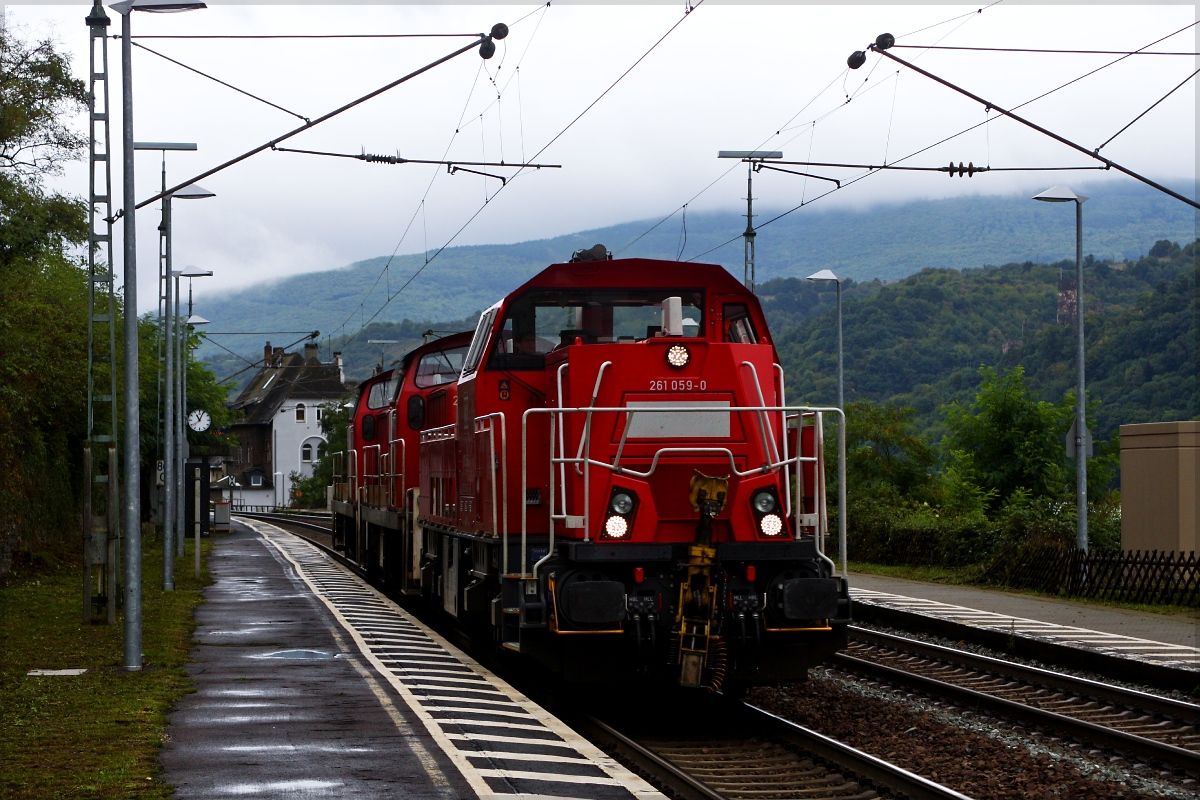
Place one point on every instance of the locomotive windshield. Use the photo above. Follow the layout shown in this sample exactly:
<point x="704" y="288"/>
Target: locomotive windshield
<point x="440" y="366"/>
<point x="542" y="321"/>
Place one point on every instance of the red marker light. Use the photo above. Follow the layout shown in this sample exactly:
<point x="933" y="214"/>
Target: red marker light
<point x="639" y="574"/>
<point x="750" y="573"/>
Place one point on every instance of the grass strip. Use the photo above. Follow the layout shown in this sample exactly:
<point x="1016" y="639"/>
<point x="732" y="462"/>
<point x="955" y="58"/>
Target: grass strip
<point x="96" y="735"/>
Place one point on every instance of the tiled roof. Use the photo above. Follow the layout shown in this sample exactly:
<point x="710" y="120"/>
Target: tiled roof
<point x="287" y="376"/>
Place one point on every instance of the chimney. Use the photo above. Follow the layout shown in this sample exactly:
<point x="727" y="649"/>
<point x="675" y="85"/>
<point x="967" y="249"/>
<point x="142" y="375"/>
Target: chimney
<point x="267" y="355"/>
<point x="337" y="359"/>
<point x="278" y="356"/>
<point x="311" y="351"/>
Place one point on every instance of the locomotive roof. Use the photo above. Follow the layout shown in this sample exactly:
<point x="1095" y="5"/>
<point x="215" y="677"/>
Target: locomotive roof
<point x="635" y="273"/>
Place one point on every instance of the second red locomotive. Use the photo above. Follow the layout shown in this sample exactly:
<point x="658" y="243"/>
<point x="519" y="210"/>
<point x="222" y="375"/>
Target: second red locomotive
<point x="605" y="477"/>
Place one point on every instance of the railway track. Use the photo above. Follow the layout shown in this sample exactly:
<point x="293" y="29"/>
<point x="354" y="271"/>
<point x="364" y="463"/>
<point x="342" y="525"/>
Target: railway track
<point x="1146" y="726"/>
<point x="755" y="754"/>
<point x="725" y="750"/>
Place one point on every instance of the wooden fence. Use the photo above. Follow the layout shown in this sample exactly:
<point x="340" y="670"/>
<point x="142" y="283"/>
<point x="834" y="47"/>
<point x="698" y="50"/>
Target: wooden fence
<point x="1165" y="578"/>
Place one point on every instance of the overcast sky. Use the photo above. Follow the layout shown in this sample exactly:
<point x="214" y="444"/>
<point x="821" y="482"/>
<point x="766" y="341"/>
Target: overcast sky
<point x="730" y="76"/>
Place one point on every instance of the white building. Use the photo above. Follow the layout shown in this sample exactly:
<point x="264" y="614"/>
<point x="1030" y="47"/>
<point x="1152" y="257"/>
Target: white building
<point x="279" y="432"/>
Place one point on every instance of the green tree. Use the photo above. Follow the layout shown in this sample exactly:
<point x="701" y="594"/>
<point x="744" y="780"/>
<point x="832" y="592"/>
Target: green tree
<point x="43" y="332"/>
<point x="1008" y="441"/>
<point x="883" y="455"/>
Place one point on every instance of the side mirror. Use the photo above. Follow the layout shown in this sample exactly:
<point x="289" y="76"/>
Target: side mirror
<point x="416" y="412"/>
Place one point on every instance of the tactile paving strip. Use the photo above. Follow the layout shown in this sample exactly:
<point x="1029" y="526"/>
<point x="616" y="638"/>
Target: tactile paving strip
<point x="504" y="744"/>
<point x="1162" y="653"/>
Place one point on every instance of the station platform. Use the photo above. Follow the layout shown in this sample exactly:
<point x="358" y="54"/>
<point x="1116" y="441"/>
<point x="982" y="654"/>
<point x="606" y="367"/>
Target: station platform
<point x="312" y="684"/>
<point x="1162" y="642"/>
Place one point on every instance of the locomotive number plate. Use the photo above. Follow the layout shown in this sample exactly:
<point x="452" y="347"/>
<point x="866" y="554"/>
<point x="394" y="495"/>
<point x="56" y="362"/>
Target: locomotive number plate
<point x="677" y="385"/>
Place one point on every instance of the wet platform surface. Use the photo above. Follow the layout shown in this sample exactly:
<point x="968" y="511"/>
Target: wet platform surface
<point x="312" y="684"/>
<point x="1171" y="640"/>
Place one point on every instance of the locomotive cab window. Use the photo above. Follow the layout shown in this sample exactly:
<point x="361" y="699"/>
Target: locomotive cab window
<point x="542" y="321"/>
<point x="479" y="341"/>
<point x="738" y="326"/>
<point x="382" y="394"/>
<point x="439" y="367"/>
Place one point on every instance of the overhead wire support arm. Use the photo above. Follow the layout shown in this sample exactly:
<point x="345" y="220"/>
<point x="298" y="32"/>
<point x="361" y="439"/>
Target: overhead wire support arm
<point x="374" y="158"/>
<point x="960" y="169"/>
<point x="759" y="167"/>
<point x="885" y="41"/>
<point x="487" y="49"/>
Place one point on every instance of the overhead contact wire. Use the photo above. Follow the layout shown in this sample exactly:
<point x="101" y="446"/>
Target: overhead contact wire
<point x="543" y="149"/>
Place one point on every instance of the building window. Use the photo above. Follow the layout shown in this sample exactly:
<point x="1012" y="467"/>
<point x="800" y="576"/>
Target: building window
<point x="306" y="453"/>
<point x="320" y="410"/>
<point x="299" y="412"/>
<point x="256" y="480"/>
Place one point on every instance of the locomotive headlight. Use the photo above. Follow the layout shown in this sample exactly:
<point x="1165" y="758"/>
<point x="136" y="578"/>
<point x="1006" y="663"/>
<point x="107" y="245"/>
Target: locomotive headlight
<point x="771" y="525"/>
<point x="616" y="527"/>
<point x="764" y="502"/>
<point x="621" y="503"/>
<point x="678" y="356"/>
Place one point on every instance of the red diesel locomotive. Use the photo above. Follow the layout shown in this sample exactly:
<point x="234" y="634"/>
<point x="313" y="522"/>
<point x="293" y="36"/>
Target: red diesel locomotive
<point x="605" y="477"/>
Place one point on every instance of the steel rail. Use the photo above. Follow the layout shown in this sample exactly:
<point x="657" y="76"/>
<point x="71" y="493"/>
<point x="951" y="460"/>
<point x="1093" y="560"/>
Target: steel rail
<point x="1166" y="706"/>
<point x="838" y="756"/>
<point x="1085" y="731"/>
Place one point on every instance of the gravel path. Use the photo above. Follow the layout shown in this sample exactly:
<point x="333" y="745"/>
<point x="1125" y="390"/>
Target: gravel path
<point x="971" y="753"/>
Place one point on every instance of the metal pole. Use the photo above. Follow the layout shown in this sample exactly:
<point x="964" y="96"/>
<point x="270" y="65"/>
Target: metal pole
<point x="196" y="496"/>
<point x="169" y="408"/>
<point x="841" y="396"/>
<point x="1081" y="526"/>
<point x="748" y="276"/>
<point x="177" y="475"/>
<point x="133" y="464"/>
<point x="842" y="491"/>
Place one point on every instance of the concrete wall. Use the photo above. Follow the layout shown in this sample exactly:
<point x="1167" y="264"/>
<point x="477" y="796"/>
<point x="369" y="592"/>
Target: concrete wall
<point x="1160" y="500"/>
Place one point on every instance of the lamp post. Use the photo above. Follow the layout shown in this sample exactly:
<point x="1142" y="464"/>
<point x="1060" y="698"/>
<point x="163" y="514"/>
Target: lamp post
<point x="827" y="275"/>
<point x="166" y="331"/>
<point x="132" y="432"/>
<point x="1079" y="431"/>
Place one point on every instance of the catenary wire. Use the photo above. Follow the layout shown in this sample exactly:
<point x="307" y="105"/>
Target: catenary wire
<point x="784" y="127"/>
<point x="543" y="149"/>
<point x="855" y="180"/>
<point x="1148" y="110"/>
<point x="218" y="80"/>
<point x="1044" y="50"/>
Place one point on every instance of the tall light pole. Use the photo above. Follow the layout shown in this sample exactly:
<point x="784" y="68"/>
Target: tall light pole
<point x="173" y="544"/>
<point x="751" y="157"/>
<point x="827" y="275"/>
<point x="168" y="574"/>
<point x="133" y="430"/>
<point x="1079" y="431"/>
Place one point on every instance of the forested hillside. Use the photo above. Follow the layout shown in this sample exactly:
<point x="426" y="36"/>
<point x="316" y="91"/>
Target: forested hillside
<point x="888" y="242"/>
<point x="920" y="341"/>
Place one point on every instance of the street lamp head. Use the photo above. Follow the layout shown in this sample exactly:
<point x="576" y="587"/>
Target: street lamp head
<point x="196" y="319"/>
<point x="164" y="146"/>
<point x="1059" y="194"/>
<point x="750" y="154"/>
<point x="195" y="272"/>
<point x="193" y="191"/>
<point x="159" y="6"/>
<point x="824" y="275"/>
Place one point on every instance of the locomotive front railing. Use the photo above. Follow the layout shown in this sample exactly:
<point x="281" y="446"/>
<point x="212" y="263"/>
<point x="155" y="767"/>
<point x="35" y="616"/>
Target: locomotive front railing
<point x="488" y="424"/>
<point x="582" y="461"/>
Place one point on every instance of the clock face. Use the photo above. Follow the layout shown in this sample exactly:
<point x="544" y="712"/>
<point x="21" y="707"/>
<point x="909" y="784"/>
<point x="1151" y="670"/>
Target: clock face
<point x="199" y="420"/>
